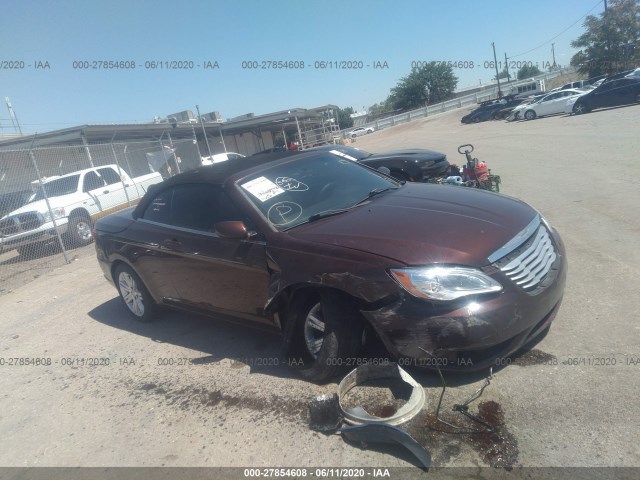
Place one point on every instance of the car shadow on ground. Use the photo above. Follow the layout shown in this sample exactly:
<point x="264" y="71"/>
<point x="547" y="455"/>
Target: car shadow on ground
<point x="211" y="339"/>
<point x="240" y="345"/>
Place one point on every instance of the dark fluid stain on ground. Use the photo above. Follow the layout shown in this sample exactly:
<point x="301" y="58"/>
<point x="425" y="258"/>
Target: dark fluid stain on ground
<point x="532" y="357"/>
<point x="190" y="398"/>
<point x="498" y="449"/>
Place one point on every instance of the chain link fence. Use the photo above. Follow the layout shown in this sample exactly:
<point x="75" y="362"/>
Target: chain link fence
<point x="50" y="197"/>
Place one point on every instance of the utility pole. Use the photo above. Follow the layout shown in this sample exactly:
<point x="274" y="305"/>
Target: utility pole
<point x="495" y="60"/>
<point x="605" y="5"/>
<point x="13" y="116"/>
<point x="506" y="66"/>
<point x="553" y="52"/>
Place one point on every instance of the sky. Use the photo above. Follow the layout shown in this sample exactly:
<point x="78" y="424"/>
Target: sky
<point x="54" y="56"/>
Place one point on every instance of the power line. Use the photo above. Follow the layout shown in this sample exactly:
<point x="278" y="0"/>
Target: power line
<point x="551" y="39"/>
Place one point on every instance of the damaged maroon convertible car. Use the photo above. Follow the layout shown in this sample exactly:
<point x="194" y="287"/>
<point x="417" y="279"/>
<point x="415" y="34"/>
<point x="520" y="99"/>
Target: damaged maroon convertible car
<point x="334" y="254"/>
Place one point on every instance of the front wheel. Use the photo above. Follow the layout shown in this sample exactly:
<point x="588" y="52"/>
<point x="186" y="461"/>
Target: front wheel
<point x="134" y="294"/>
<point x="328" y="332"/>
<point x="529" y="115"/>
<point x="80" y="230"/>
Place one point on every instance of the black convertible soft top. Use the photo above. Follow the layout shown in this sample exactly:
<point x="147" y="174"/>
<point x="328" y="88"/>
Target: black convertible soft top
<point x="216" y="174"/>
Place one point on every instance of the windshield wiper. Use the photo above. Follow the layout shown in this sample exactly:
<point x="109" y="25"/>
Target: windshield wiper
<point x="338" y="211"/>
<point x="374" y="192"/>
<point x="327" y="213"/>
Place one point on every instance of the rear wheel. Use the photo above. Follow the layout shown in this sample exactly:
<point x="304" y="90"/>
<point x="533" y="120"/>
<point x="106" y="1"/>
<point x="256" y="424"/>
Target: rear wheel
<point x="580" y="108"/>
<point x="529" y="115"/>
<point x="328" y="330"/>
<point x="134" y="294"/>
<point x="638" y="97"/>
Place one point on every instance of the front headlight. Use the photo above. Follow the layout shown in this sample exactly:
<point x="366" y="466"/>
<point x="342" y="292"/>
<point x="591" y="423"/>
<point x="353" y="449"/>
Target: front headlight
<point x="57" y="213"/>
<point x="444" y="283"/>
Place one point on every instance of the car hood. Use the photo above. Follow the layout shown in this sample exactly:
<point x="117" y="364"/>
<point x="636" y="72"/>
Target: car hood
<point x="420" y="154"/>
<point x="41" y="205"/>
<point x="420" y="224"/>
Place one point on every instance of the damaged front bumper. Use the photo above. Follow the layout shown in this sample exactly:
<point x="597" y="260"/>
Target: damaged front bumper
<point x="471" y="334"/>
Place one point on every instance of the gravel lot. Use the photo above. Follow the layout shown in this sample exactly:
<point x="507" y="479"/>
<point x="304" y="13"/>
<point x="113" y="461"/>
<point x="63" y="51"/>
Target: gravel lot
<point x="192" y="391"/>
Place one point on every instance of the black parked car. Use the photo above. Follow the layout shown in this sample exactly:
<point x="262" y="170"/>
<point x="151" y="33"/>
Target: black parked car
<point x="412" y="164"/>
<point x="619" y="91"/>
<point x="409" y="165"/>
<point x="492" y="110"/>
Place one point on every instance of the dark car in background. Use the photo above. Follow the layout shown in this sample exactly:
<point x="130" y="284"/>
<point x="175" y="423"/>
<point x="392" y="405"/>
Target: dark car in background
<point x="612" y="92"/>
<point x="492" y="110"/>
<point x="411" y="164"/>
<point x="334" y="254"/>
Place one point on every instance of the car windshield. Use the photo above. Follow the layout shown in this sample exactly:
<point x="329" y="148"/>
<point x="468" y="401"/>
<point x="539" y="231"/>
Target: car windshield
<point x="309" y="188"/>
<point x="57" y="188"/>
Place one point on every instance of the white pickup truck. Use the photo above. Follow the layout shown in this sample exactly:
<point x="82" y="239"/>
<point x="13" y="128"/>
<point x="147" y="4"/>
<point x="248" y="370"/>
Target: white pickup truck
<point x="76" y="200"/>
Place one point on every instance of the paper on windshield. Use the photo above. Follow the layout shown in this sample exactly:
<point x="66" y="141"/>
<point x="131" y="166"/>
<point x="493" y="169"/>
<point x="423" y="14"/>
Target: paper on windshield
<point x="262" y="188"/>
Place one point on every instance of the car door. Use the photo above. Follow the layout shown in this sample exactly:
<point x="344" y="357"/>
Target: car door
<point x="623" y="92"/>
<point x="152" y="260"/>
<point x="601" y="96"/>
<point x="560" y="102"/>
<point x="94" y="186"/>
<point x="209" y="272"/>
<point x="545" y="107"/>
<point x="115" y="195"/>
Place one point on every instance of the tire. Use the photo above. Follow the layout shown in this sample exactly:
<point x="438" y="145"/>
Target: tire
<point x="328" y="330"/>
<point x="529" y="115"/>
<point x="134" y="294"/>
<point x="638" y="97"/>
<point x="475" y="120"/>
<point x="79" y="231"/>
<point x="580" y="108"/>
<point x="354" y="136"/>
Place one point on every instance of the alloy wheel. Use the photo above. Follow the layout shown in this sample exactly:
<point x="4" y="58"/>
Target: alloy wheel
<point x="131" y="294"/>
<point x="314" y="327"/>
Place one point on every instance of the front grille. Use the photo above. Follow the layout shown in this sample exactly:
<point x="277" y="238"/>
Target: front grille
<point x="29" y="221"/>
<point x="528" y="265"/>
<point x="22" y="222"/>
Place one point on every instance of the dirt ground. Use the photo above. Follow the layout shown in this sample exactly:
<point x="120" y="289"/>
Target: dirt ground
<point x="83" y="385"/>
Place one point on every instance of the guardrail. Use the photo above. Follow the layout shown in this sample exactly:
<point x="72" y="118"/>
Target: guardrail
<point x="452" y="104"/>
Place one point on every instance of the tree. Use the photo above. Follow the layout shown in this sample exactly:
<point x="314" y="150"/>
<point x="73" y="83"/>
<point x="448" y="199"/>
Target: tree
<point x="611" y="41"/>
<point x="381" y="108"/>
<point x="528" y="71"/>
<point x="344" y="117"/>
<point x="503" y="74"/>
<point x="431" y="83"/>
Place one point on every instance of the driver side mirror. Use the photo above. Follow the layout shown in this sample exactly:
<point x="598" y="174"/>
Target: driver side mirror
<point x="232" y="229"/>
